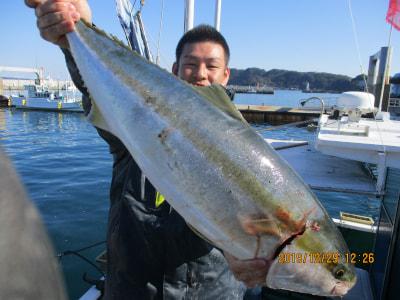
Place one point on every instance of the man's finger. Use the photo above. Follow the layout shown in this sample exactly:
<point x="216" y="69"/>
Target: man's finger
<point x="55" y="18"/>
<point x="54" y="33"/>
<point x="51" y="7"/>
<point x="33" y="3"/>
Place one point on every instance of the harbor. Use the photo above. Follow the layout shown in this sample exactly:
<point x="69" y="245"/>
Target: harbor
<point x="37" y="93"/>
<point x="285" y="127"/>
<point x="57" y="143"/>
<point x="313" y="173"/>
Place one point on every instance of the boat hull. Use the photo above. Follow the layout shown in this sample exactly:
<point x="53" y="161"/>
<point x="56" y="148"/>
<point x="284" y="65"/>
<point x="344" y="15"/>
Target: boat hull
<point x="46" y="104"/>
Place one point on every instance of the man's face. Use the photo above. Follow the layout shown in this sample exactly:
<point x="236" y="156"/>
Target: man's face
<point x="202" y="64"/>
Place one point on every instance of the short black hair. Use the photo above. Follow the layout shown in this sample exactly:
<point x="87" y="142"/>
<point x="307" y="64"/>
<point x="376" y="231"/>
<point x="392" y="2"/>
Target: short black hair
<point x="202" y="33"/>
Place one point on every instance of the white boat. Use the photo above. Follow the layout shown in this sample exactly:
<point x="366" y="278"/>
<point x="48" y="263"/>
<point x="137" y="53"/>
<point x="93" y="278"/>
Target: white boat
<point x="346" y="134"/>
<point x="38" y="97"/>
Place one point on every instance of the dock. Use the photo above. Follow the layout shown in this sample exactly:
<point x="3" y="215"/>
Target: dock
<point x="248" y="89"/>
<point x="276" y="115"/>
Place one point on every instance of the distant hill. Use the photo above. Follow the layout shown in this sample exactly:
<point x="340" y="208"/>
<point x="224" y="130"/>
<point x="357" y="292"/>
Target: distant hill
<point x="283" y="79"/>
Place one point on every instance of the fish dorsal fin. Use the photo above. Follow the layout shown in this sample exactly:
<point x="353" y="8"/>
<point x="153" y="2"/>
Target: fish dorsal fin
<point x="217" y="95"/>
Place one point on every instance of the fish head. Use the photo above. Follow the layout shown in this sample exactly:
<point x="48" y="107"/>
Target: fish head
<point x="314" y="262"/>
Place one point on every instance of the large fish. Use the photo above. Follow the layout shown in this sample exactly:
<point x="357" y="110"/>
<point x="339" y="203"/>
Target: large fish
<point x="221" y="176"/>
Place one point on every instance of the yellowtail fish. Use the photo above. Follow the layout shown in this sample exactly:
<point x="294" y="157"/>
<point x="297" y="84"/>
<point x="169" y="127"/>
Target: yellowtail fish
<point x="221" y="176"/>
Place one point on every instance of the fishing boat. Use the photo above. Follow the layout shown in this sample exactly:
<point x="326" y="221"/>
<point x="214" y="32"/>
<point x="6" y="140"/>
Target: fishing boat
<point x="38" y="97"/>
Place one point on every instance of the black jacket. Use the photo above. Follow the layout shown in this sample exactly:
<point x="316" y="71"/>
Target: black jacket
<point x="151" y="252"/>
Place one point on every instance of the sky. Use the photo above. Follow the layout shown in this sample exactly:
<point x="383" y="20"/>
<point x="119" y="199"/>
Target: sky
<point x="298" y="35"/>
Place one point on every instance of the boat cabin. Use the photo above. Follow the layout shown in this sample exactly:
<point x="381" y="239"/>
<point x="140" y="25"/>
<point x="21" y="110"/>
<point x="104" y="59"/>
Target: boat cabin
<point x="40" y="91"/>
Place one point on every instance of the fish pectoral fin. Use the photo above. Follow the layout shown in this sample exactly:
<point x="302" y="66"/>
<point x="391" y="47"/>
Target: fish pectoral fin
<point x="259" y="225"/>
<point x="289" y="223"/>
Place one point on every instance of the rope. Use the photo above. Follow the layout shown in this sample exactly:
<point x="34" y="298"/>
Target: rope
<point x="76" y="253"/>
<point x="358" y="47"/>
<point x="363" y="73"/>
<point x="85" y="259"/>
<point x="88" y="247"/>
<point x="153" y="43"/>
<point x="159" y="33"/>
<point x="278" y="127"/>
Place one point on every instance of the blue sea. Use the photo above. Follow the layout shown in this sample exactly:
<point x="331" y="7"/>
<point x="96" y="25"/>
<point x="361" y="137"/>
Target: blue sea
<point x="66" y="169"/>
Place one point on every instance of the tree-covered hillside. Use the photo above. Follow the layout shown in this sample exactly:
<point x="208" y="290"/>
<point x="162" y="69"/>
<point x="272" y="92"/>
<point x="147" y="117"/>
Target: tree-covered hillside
<point x="295" y="80"/>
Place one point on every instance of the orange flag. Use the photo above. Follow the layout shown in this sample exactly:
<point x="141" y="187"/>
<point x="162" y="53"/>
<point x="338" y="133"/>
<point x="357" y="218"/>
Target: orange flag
<point x="393" y="14"/>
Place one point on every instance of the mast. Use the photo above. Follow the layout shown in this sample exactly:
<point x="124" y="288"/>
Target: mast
<point x="189" y="15"/>
<point x="378" y="77"/>
<point x="217" y="21"/>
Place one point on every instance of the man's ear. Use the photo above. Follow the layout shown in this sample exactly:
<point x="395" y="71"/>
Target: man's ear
<point x="175" y="69"/>
<point x="227" y="73"/>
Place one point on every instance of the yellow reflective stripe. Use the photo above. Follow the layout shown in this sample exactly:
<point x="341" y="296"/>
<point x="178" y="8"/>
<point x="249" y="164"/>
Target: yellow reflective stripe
<point x="159" y="199"/>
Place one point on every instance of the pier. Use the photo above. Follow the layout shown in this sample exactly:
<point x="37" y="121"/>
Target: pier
<point x="276" y="115"/>
<point x="248" y="89"/>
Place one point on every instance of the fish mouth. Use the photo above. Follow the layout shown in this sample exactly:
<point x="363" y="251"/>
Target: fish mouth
<point x="340" y="288"/>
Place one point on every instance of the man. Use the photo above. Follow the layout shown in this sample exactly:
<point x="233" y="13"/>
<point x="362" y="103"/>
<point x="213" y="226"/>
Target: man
<point x="152" y="253"/>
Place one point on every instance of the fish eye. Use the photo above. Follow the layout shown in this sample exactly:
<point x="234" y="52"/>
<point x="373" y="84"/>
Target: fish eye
<point x="339" y="273"/>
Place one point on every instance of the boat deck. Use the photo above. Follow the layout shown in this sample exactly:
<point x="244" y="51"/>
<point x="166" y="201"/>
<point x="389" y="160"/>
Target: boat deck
<point x="362" y="140"/>
<point x="327" y="173"/>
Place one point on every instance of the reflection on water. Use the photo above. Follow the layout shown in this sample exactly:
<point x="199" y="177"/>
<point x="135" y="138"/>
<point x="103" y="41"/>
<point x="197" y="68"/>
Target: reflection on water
<point x="2" y="121"/>
<point x="60" y="118"/>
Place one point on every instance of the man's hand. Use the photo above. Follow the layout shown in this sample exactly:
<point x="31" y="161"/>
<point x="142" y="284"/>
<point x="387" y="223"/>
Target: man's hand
<point x="251" y="272"/>
<point x="55" y="18"/>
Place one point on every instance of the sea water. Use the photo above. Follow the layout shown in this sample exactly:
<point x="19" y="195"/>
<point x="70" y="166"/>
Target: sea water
<point x="66" y="168"/>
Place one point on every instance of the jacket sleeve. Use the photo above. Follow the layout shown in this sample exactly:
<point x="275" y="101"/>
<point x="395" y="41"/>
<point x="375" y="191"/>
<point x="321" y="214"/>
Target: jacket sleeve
<point x="117" y="148"/>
